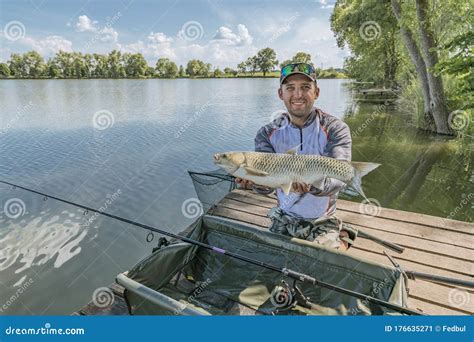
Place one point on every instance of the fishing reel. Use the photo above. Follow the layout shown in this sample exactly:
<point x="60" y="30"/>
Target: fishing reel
<point x="285" y="297"/>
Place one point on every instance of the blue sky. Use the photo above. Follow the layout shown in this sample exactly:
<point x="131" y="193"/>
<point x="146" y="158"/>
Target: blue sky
<point x="221" y="32"/>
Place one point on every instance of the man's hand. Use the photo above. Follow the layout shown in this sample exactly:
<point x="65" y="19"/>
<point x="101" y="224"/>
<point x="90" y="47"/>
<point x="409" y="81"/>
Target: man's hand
<point x="243" y="183"/>
<point x="301" y="187"/>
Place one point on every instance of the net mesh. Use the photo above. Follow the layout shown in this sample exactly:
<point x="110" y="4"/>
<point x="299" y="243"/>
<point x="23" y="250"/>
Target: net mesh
<point x="212" y="186"/>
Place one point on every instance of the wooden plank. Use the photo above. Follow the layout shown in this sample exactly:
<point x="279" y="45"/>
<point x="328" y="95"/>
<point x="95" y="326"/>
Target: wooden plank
<point x="432" y="292"/>
<point x="407" y="216"/>
<point x="398" y="215"/>
<point x="431" y="309"/>
<point x="405" y="228"/>
<point x="436" y="248"/>
<point x="410" y="229"/>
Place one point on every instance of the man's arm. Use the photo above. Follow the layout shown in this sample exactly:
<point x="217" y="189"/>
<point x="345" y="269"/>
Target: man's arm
<point x="339" y="147"/>
<point x="262" y="141"/>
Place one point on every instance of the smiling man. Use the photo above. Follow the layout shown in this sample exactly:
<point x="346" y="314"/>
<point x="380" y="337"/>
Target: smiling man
<point x="308" y="212"/>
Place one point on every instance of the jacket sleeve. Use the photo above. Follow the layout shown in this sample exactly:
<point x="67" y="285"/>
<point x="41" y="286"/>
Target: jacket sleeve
<point x="262" y="141"/>
<point x="339" y="146"/>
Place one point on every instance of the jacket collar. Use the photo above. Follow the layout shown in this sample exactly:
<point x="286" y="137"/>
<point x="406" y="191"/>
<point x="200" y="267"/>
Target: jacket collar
<point x="311" y="118"/>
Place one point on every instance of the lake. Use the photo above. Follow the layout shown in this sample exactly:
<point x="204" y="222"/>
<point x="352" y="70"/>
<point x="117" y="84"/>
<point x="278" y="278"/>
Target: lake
<point x="127" y="145"/>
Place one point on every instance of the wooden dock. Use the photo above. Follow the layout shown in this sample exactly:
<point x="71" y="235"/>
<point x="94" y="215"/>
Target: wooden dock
<point x="432" y="245"/>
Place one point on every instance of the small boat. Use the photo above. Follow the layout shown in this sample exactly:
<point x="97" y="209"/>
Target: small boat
<point x="182" y="278"/>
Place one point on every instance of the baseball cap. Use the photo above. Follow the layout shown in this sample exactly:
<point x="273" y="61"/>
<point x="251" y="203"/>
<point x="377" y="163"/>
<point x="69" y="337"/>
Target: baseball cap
<point x="298" y="68"/>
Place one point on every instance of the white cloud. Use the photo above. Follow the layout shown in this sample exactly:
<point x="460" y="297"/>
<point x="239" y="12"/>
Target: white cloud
<point x="226" y="36"/>
<point x="84" y="24"/>
<point x="49" y="45"/>
<point x="108" y="35"/>
<point x="159" y="38"/>
<point x="158" y="45"/>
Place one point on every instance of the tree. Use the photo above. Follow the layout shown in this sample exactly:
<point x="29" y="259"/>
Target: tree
<point x="33" y="64"/>
<point x="242" y="67"/>
<point x="301" y="57"/>
<point x="218" y="72"/>
<point x="115" y="65"/>
<point x="251" y="64"/>
<point x="16" y="65"/>
<point x="266" y="60"/>
<point x="181" y="72"/>
<point x="135" y="65"/>
<point x="196" y="67"/>
<point x="166" y="68"/>
<point x="425" y="57"/>
<point x="369" y="29"/>
<point x="4" y="70"/>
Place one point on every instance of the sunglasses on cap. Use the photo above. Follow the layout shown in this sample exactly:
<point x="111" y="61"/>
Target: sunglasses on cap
<point x="298" y="68"/>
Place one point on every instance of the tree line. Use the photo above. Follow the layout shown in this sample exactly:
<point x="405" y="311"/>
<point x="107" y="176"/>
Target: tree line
<point x="423" y="48"/>
<point x="133" y="65"/>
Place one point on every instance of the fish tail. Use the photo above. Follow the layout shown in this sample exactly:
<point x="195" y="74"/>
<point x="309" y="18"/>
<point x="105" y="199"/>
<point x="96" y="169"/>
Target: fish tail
<point x="360" y="170"/>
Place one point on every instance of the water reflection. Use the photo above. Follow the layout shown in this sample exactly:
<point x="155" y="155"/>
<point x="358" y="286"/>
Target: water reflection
<point x="48" y="142"/>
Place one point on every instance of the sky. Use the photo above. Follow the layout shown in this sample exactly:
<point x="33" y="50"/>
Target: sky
<point x="220" y="32"/>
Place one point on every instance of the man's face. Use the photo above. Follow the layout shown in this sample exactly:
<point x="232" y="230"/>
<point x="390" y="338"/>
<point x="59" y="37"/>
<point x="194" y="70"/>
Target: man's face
<point x="298" y="93"/>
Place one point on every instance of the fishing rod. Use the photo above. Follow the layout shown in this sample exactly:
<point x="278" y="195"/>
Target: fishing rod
<point x="297" y="276"/>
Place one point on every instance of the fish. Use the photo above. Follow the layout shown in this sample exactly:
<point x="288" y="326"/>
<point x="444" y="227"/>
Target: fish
<point x="281" y="170"/>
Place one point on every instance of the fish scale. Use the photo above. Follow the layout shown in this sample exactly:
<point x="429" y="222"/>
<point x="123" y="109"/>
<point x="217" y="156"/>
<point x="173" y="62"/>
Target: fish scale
<point x="300" y="165"/>
<point x="282" y="169"/>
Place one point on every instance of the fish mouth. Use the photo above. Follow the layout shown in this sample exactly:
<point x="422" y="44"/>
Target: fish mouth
<point x="217" y="158"/>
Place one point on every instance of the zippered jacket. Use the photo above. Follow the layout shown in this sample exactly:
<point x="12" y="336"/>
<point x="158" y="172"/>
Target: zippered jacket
<point x="323" y="135"/>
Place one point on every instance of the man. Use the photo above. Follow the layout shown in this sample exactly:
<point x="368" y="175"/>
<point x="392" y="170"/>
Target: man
<point x="307" y="212"/>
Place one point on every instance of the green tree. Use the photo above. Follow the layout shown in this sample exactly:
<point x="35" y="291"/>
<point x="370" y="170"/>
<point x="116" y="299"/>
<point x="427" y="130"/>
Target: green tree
<point x="4" y="70"/>
<point x="266" y="60"/>
<point x="16" y="65"/>
<point x="302" y="57"/>
<point x="217" y="72"/>
<point x="181" y="72"/>
<point x="100" y="69"/>
<point x="115" y="65"/>
<point x="33" y="64"/>
<point x="242" y="67"/>
<point x="166" y="68"/>
<point x="196" y="68"/>
<point x="251" y="65"/>
<point x="135" y="65"/>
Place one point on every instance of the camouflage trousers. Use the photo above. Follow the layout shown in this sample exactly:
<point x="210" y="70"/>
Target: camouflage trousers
<point x="325" y="230"/>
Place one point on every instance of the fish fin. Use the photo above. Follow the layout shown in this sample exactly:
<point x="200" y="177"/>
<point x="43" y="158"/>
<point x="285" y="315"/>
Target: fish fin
<point x="360" y="170"/>
<point x="319" y="183"/>
<point x="293" y="150"/>
<point x="286" y="188"/>
<point x="255" y="172"/>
